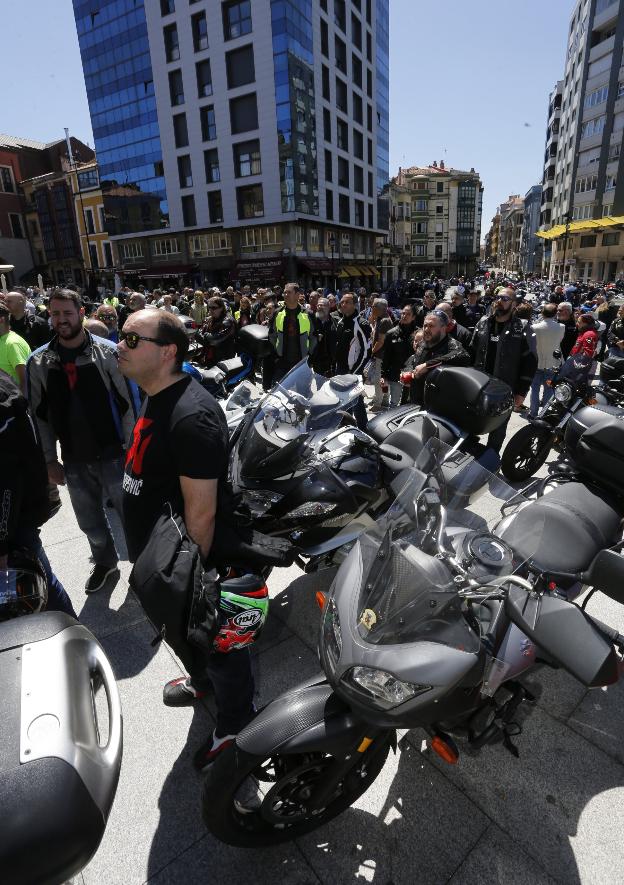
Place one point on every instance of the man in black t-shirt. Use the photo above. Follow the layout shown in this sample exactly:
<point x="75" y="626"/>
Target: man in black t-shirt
<point x="178" y="454"/>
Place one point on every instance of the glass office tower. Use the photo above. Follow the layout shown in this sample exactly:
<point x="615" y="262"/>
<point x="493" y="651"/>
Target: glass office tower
<point x="382" y="59"/>
<point x="117" y="68"/>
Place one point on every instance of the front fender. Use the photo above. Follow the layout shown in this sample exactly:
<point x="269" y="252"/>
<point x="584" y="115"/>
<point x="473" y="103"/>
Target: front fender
<point x="308" y="719"/>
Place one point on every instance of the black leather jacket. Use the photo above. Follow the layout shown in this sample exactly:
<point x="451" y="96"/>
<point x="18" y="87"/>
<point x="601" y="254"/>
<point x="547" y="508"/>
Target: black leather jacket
<point x="396" y="349"/>
<point x="514" y="363"/>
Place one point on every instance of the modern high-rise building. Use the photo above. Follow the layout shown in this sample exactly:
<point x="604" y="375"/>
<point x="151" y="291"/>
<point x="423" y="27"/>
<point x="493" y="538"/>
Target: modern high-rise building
<point x="530" y="244"/>
<point x="240" y="140"/>
<point x="585" y="192"/>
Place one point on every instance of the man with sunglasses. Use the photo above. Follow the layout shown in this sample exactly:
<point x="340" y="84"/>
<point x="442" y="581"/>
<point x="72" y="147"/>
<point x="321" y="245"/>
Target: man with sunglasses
<point x="179" y="456"/>
<point x="108" y="316"/>
<point x="79" y="399"/>
<point x="502" y="349"/>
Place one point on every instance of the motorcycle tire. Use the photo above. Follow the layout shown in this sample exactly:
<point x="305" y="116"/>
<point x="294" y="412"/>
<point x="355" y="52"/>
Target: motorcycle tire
<point x="277" y="816"/>
<point x="525" y="453"/>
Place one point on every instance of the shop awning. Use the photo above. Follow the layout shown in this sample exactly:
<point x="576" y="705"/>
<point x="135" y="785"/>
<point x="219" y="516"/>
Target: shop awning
<point x="365" y="271"/>
<point x="352" y="271"/>
<point x="342" y="274"/>
<point x="168" y="270"/>
<point x="316" y="265"/>
<point x="575" y="227"/>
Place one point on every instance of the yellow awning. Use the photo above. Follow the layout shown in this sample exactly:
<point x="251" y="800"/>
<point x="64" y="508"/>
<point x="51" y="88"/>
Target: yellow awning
<point x="342" y="274"/>
<point x="352" y="271"/>
<point x="374" y="271"/>
<point x="578" y="226"/>
<point x="365" y="270"/>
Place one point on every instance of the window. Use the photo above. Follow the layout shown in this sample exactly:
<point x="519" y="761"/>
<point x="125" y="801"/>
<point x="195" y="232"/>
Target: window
<point x="340" y="54"/>
<point x="176" y="88"/>
<point x="369" y="117"/>
<point x="419" y="250"/>
<point x="169" y="246"/>
<point x="172" y="45"/>
<point x="343" y="172"/>
<point x="439" y="187"/>
<point x="108" y="255"/>
<point x="614" y="152"/>
<point x="208" y="126"/>
<point x="419" y="227"/>
<point x="599" y="66"/>
<point x="342" y="135"/>
<point x="369" y="82"/>
<point x="438" y="251"/>
<point x="579" y="213"/>
<point x="344" y="214"/>
<point x="439" y="229"/>
<point x="239" y="64"/>
<point x="596" y="97"/>
<point x="211" y="165"/>
<point x="585" y="183"/>
<point x="204" y="78"/>
<point x="247" y="159"/>
<point x="587" y="158"/>
<point x="439" y="209"/>
<point x="370" y="215"/>
<point x="358" y="179"/>
<point x="358" y="208"/>
<point x="93" y="256"/>
<point x="369" y="46"/>
<point x="341" y="95"/>
<point x="358" y="144"/>
<point x="129" y="251"/>
<point x="419" y="206"/>
<point x="250" y="201"/>
<point x="340" y="15"/>
<point x="243" y="113"/>
<point x="370" y="151"/>
<point x="329" y="205"/>
<point x="236" y="19"/>
<point x="356" y="31"/>
<point x="167" y="7"/>
<point x="89" y="223"/>
<point x="607" y="209"/>
<point x="180" y="131"/>
<point x="199" y="27"/>
<point x="370" y="184"/>
<point x="188" y="211"/>
<point x="215" y="207"/>
<point x="610" y="239"/>
<point x="185" y="172"/>
<point x="102" y="215"/>
<point x="356" y="70"/>
<point x="588" y="241"/>
<point x="345" y="242"/>
<point x="593" y="127"/>
<point x="314" y="240"/>
<point x="324" y="39"/>
<point x="86" y="180"/>
<point x="328" y="166"/>
<point x="325" y="80"/>
<point x="17" y="227"/>
<point x="620" y="91"/>
<point x="610" y="182"/>
<point x="357" y="109"/>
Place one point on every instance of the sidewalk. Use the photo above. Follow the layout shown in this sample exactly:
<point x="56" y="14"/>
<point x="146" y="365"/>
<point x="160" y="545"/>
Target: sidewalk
<point x="554" y="815"/>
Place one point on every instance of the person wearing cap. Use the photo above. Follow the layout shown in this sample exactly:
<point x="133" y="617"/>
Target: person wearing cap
<point x="435" y="348"/>
<point x="290" y="333"/>
<point x="380" y="326"/>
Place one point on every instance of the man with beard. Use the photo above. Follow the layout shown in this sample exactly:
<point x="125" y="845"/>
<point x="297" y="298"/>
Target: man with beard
<point x="453" y="327"/>
<point x="323" y="359"/>
<point x="429" y="303"/>
<point x="501" y="348"/>
<point x="436" y="348"/>
<point x="397" y="349"/>
<point x="79" y="398"/>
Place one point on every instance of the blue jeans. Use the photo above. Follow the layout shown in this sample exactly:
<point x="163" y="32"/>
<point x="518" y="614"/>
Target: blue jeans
<point x="89" y="484"/>
<point x="537" y="398"/>
<point x="58" y="600"/>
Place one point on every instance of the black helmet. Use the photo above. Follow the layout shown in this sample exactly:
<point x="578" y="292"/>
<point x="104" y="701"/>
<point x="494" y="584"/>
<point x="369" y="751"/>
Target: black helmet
<point x="23" y="586"/>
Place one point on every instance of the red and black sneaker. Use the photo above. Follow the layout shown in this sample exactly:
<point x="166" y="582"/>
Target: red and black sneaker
<point x="209" y="751"/>
<point x="180" y="693"/>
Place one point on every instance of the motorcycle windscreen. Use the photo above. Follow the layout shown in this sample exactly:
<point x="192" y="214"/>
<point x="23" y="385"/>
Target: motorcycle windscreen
<point x="408" y="592"/>
<point x="273" y="443"/>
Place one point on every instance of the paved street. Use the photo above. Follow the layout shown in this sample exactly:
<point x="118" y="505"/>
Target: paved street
<point x="554" y="815"/>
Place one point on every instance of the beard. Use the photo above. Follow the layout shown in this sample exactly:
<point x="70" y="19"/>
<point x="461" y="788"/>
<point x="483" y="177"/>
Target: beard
<point x="68" y="330"/>
<point x="502" y="312"/>
<point x="431" y="342"/>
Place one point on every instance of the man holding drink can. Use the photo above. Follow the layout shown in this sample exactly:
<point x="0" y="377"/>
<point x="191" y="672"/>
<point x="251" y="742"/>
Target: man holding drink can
<point x="435" y="348"/>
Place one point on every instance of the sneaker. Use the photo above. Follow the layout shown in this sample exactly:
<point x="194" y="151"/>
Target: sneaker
<point x="208" y="752"/>
<point x="180" y="693"/>
<point x="98" y="576"/>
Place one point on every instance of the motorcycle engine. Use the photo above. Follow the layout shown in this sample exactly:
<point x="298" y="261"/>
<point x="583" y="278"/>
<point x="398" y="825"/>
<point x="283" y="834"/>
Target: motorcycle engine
<point x="485" y="556"/>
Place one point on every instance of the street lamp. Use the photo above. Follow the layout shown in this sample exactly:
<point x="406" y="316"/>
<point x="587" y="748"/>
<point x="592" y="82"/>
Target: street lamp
<point x="332" y="246"/>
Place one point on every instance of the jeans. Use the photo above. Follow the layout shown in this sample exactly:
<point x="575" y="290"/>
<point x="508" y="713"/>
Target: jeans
<point x="231" y="678"/>
<point x="58" y="600"/>
<point x="380" y="398"/>
<point x="396" y="393"/>
<point x="497" y="437"/>
<point x="537" y="398"/>
<point x="89" y="483"/>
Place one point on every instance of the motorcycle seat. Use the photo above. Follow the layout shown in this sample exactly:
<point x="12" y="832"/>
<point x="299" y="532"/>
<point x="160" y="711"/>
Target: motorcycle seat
<point x="564" y="529"/>
<point x="231" y="367"/>
<point x="407" y="442"/>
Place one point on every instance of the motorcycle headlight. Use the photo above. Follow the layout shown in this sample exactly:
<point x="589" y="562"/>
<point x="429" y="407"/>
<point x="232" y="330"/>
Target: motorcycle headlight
<point x="563" y="393"/>
<point x="260" y="501"/>
<point x="331" y="633"/>
<point x="383" y="688"/>
<point x="311" y="508"/>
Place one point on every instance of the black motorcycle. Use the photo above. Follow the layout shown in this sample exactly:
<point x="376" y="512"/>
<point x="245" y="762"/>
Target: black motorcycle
<point x="309" y="476"/>
<point x="431" y="622"/>
<point x="529" y="447"/>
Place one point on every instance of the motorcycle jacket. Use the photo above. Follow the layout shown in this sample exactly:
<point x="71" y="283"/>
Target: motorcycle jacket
<point x="396" y="350"/>
<point x="513" y="362"/>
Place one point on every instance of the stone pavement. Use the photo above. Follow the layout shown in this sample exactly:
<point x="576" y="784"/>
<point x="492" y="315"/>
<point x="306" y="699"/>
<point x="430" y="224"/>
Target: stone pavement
<point x="554" y="815"/>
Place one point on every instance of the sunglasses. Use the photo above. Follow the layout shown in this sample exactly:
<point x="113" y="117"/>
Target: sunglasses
<point x="107" y="316"/>
<point x="132" y="339"/>
<point x="504" y="298"/>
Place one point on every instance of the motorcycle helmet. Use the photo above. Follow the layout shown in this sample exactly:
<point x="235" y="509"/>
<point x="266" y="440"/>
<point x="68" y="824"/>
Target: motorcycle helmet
<point x="23" y="586"/>
<point x="241" y="618"/>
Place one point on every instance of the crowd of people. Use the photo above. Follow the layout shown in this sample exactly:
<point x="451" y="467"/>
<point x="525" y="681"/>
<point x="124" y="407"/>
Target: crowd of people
<point x="94" y="397"/>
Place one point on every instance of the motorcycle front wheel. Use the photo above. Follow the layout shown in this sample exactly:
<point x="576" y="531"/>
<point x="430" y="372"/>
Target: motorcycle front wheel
<point x="525" y="453"/>
<point x="253" y="801"/>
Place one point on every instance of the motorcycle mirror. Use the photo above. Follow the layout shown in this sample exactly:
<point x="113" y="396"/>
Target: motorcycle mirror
<point x="565" y="633"/>
<point x="606" y="573"/>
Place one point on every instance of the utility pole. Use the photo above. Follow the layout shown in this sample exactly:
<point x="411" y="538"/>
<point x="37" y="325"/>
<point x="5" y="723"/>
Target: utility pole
<point x="568" y="218"/>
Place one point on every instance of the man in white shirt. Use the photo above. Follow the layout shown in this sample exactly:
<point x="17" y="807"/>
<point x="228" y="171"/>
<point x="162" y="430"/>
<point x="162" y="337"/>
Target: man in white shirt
<point x="548" y="334"/>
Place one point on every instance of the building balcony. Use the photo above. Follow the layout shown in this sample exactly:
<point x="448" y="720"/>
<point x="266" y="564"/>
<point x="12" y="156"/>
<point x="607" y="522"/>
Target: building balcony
<point x="602" y="48"/>
<point x="607" y="16"/>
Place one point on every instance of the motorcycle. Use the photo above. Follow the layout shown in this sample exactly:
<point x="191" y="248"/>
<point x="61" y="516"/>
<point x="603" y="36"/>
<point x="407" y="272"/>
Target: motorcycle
<point x="222" y="379"/>
<point x="311" y="477"/>
<point x="430" y="623"/>
<point x="529" y="447"/>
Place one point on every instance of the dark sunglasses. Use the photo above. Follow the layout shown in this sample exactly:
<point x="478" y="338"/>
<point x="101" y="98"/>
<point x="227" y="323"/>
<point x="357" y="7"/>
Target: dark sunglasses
<point x="107" y="316"/>
<point x="504" y="298"/>
<point x="132" y="339"/>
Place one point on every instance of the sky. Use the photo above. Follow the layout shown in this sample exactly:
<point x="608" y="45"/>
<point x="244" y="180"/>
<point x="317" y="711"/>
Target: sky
<point x="469" y="83"/>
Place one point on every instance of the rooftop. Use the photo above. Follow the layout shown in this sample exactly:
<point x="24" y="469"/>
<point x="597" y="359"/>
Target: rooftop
<point x="15" y="141"/>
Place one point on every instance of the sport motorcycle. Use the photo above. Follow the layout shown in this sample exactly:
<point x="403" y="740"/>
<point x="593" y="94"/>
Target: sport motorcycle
<point x="430" y="623"/>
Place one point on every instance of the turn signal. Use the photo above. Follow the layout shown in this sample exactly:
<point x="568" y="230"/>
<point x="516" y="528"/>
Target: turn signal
<point x="445" y="749"/>
<point x="320" y="599"/>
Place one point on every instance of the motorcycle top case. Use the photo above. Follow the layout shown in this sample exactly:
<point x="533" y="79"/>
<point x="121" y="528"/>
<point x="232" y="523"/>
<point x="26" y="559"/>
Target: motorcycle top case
<point x="476" y="402"/>
<point x="254" y="340"/>
<point x="612" y="369"/>
<point x="57" y="782"/>
<point x="594" y="437"/>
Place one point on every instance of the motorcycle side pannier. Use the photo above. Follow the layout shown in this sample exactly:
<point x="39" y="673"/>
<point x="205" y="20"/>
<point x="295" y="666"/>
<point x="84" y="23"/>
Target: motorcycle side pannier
<point x="583" y="419"/>
<point x="598" y="449"/>
<point x="254" y="340"/>
<point x="612" y="369"/>
<point x="476" y="402"/>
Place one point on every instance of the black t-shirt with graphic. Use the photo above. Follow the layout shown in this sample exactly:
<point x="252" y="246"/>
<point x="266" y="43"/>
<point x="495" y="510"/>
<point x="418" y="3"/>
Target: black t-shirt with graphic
<point x="82" y="445"/>
<point x="180" y="431"/>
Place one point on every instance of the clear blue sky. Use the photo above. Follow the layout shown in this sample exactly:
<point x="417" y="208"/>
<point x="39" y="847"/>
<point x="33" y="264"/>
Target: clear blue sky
<point x="465" y="76"/>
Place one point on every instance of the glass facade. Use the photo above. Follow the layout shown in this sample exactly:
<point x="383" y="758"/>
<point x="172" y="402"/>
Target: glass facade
<point x="382" y="58"/>
<point x="118" y="75"/>
<point x="293" y="63"/>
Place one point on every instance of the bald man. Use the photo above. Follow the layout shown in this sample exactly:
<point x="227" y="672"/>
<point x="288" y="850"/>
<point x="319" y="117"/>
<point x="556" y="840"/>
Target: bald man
<point x="33" y="329"/>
